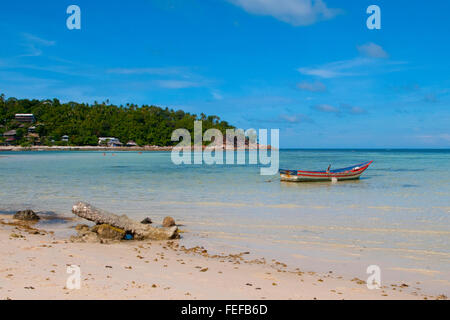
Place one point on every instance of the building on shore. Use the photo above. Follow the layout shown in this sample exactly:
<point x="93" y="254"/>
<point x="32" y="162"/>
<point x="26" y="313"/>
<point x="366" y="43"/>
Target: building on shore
<point x="25" y="117"/>
<point x="65" y="138"/>
<point x="109" y="142"/>
<point x="10" y="137"/>
<point x="131" y="143"/>
<point x="34" y="139"/>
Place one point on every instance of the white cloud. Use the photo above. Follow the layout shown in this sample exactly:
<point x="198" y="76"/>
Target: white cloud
<point x="216" y="95"/>
<point x="178" y="77"/>
<point x="177" y="84"/>
<point x="316" y="86"/>
<point x="37" y="40"/>
<point x="294" y="118"/>
<point x="294" y="12"/>
<point x="327" y="108"/>
<point x="353" y="110"/>
<point x="335" y="69"/>
<point x="151" y="71"/>
<point x="373" y="59"/>
<point x="372" y="50"/>
<point x="344" y="110"/>
<point x="353" y="67"/>
<point x="34" y="43"/>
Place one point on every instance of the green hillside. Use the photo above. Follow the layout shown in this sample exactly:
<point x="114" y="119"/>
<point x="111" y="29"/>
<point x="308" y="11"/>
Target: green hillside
<point x="84" y="123"/>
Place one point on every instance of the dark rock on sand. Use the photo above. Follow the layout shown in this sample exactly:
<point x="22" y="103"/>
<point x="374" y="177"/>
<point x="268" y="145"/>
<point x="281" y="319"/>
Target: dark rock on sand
<point x="168" y="222"/>
<point x="82" y="228"/>
<point x="147" y="221"/>
<point x="27" y="215"/>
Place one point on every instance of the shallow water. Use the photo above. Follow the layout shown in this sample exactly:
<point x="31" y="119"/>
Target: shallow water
<point x="396" y="216"/>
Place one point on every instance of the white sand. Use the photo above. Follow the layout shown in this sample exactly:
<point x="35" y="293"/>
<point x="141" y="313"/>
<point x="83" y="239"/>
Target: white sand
<point x="35" y="267"/>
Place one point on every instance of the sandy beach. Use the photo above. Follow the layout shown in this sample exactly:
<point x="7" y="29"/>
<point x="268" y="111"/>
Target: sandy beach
<point x="84" y="148"/>
<point x="34" y="266"/>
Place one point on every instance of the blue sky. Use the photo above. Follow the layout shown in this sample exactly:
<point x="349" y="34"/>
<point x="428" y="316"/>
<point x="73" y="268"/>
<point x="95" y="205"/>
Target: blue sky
<point x="310" y="68"/>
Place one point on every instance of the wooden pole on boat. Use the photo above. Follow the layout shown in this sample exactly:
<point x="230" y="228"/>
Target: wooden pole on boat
<point x="140" y="231"/>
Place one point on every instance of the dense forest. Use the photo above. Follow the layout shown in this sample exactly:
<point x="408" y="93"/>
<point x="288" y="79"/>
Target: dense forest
<point x="85" y="123"/>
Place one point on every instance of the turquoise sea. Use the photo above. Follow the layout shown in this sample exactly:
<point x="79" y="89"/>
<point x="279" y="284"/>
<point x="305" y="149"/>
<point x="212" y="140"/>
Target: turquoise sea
<point x="397" y="216"/>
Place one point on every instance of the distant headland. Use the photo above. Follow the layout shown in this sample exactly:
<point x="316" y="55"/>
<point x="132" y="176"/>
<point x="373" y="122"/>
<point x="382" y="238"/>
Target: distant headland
<point x="52" y="125"/>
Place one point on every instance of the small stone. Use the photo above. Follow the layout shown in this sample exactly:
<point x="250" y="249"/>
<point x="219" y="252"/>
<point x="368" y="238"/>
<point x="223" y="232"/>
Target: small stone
<point x="27" y="215"/>
<point x="168" y="222"/>
<point x="147" y="221"/>
<point x="80" y="227"/>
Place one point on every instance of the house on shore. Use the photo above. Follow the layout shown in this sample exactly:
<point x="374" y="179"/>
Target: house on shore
<point x="65" y="138"/>
<point x="10" y="136"/>
<point x="109" y="142"/>
<point x="33" y="138"/>
<point x="25" y="117"/>
<point x="131" y="143"/>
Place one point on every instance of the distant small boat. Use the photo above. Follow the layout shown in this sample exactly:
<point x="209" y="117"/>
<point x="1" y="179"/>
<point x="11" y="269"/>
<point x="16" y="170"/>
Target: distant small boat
<point x="348" y="173"/>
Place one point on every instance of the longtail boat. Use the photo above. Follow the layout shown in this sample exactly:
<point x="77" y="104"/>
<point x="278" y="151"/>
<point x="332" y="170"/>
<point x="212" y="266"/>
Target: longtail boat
<point x="348" y="173"/>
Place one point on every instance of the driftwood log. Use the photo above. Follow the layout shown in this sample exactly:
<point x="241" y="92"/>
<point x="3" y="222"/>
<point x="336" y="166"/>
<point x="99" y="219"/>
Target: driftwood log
<point x="139" y="230"/>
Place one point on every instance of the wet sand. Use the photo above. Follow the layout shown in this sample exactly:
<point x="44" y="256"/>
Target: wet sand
<point x="34" y="266"/>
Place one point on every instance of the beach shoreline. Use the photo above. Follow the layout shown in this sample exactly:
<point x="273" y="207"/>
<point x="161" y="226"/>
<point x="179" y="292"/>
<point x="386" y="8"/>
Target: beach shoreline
<point x="84" y="148"/>
<point x="35" y="261"/>
<point x="105" y="148"/>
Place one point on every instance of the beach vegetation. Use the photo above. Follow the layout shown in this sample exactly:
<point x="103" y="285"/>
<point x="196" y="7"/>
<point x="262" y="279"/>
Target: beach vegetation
<point x="84" y="123"/>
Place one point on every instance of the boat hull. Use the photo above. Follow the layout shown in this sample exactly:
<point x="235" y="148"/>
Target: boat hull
<point x="301" y="178"/>
<point x="350" y="173"/>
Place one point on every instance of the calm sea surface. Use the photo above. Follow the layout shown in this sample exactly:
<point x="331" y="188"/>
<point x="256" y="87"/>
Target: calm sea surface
<point x="396" y="216"/>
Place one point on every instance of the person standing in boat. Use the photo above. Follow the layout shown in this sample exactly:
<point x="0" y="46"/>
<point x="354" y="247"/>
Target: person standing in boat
<point x="328" y="169"/>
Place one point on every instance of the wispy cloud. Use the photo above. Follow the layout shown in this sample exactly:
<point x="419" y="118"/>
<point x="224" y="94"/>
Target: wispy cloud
<point x="344" y="109"/>
<point x="326" y="108"/>
<point x="287" y="118"/>
<point x="149" y="71"/>
<point x="177" y="84"/>
<point x="372" y="59"/>
<point x="353" y="110"/>
<point x="37" y="40"/>
<point x="295" y="118"/>
<point x="170" y="77"/>
<point x="358" y="66"/>
<point x="315" y="86"/>
<point x="294" y="12"/>
<point x="337" y="69"/>
<point x="34" y="44"/>
<point x="216" y="95"/>
<point x="372" y="50"/>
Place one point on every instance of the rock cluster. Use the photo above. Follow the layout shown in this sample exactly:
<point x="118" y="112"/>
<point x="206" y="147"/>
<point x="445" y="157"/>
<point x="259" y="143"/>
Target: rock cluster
<point x="26" y="215"/>
<point x="105" y="233"/>
<point x="139" y="231"/>
<point x="98" y="233"/>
